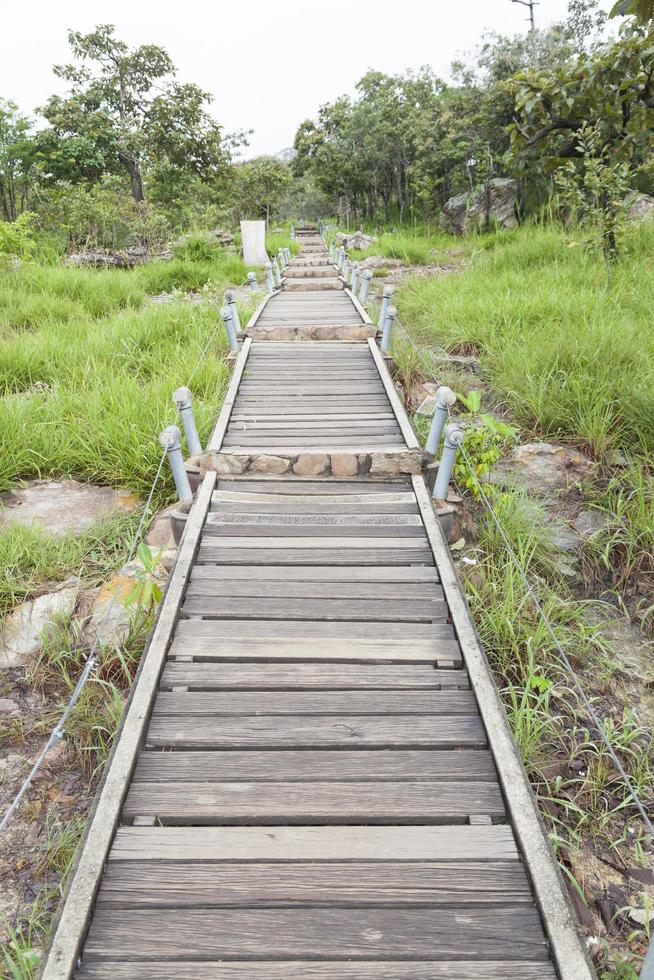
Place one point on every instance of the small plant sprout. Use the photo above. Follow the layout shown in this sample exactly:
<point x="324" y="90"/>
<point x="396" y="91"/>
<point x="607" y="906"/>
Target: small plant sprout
<point x="485" y="437"/>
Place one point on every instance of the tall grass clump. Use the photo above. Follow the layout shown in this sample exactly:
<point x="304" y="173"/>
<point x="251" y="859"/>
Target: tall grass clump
<point x="571" y="354"/>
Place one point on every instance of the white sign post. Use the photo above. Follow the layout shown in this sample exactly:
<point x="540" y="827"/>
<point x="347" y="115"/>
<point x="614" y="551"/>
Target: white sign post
<point x="253" y="236"/>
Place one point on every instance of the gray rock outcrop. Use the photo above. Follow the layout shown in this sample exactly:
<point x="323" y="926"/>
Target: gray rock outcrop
<point x="476" y="210"/>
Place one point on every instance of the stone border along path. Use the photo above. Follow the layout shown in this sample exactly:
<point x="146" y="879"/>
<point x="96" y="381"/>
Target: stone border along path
<point x="315" y="778"/>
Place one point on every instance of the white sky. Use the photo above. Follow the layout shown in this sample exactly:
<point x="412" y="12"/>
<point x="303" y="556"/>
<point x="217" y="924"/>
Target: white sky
<point x="268" y="63"/>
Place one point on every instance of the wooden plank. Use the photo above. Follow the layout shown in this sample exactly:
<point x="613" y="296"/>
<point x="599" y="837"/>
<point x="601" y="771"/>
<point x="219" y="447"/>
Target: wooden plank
<point x="259" y="588"/>
<point x="213" y="804"/>
<point x="446" y="884"/>
<point x="305" y="731"/>
<point x="318" y="573"/>
<point x="222" y="421"/>
<point x="217" y="647"/>
<point x="342" y="610"/>
<point x="143" y="934"/>
<point x="326" y="970"/>
<point x="396" y="633"/>
<point x="320" y="527"/>
<point x="399" y="843"/>
<point x="308" y="542"/>
<point x="70" y="928"/>
<point x="318" y="556"/>
<point x="215" y="703"/>
<point x="325" y="765"/>
<point x="234" y="507"/>
<point x="309" y="677"/>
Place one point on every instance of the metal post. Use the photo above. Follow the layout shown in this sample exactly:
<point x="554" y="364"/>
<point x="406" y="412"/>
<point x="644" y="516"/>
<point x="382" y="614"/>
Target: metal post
<point x="444" y="398"/>
<point x="366" y="276"/>
<point x="270" y="286"/>
<point x="389" y="323"/>
<point x="229" y="328"/>
<point x="252" y="280"/>
<point x="453" y="439"/>
<point x="292" y="233"/>
<point x="345" y="269"/>
<point x="182" y="398"/>
<point x="341" y="258"/>
<point x="171" y="440"/>
<point x="331" y="251"/>
<point x="230" y="296"/>
<point x="281" y="258"/>
<point x="355" y="277"/>
<point x="386" y="302"/>
<point x="277" y="279"/>
<point x="287" y="254"/>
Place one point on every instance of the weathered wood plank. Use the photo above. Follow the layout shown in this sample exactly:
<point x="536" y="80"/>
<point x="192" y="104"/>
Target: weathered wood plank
<point x="399" y="843"/>
<point x="326" y="970"/>
<point x="447" y="884"/>
<point x="302" y="731"/>
<point x="308" y="677"/>
<point x="317" y="556"/>
<point x="143" y="934"/>
<point x="292" y="608"/>
<point x="260" y="588"/>
<point x="399" y="634"/>
<point x="324" y="765"/>
<point x="213" y="804"/>
<point x="185" y="703"/>
<point x="214" y="646"/>
<point x="318" y="573"/>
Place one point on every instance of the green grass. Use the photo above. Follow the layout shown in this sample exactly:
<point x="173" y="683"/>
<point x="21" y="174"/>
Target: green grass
<point x="87" y="389"/>
<point x="572" y="355"/>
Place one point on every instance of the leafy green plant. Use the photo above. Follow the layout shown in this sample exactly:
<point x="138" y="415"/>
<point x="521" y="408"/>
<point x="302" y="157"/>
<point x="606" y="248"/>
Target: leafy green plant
<point x="485" y="436"/>
<point x="145" y="593"/>
<point x="17" y="239"/>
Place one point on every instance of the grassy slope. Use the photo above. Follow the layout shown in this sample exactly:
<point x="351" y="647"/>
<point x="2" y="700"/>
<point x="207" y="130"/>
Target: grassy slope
<point x="571" y="357"/>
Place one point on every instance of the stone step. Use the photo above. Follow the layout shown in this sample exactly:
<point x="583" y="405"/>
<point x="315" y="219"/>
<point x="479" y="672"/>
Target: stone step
<point x="306" y="272"/>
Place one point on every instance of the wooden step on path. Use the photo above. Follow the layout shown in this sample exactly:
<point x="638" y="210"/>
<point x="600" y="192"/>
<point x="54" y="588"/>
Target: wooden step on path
<point x="315" y="779"/>
<point x="315" y="409"/>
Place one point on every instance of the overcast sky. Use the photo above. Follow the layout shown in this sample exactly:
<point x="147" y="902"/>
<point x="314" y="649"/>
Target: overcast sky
<point x="269" y="64"/>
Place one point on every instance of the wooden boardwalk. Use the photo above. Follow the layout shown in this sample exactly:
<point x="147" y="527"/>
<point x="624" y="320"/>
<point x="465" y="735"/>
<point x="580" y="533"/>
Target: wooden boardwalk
<point x="315" y="779"/>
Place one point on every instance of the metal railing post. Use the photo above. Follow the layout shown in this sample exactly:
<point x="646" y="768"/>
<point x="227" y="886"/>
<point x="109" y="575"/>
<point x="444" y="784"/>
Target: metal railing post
<point x="453" y="439"/>
<point x="171" y="440"/>
<point x="277" y="279"/>
<point x="345" y="268"/>
<point x="355" y="277"/>
<point x="292" y="233"/>
<point x="270" y="285"/>
<point x="182" y="399"/>
<point x="445" y="397"/>
<point x="281" y="258"/>
<point x="252" y="281"/>
<point x="331" y="251"/>
<point x="366" y="276"/>
<point x="389" y="323"/>
<point x="225" y="313"/>
<point x="386" y="302"/>
<point x="230" y="296"/>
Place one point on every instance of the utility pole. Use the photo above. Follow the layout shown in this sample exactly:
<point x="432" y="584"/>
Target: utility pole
<point x="531" y="4"/>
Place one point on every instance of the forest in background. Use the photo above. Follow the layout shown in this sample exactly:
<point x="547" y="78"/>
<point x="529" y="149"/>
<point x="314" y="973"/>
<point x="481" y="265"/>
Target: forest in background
<point x="129" y="155"/>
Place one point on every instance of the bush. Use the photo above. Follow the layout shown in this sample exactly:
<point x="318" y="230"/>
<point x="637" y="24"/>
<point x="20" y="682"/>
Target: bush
<point x="17" y="239"/>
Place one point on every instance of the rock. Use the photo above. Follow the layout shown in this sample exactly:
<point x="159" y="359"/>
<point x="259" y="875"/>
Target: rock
<point x="160" y="535"/>
<point x="539" y="466"/>
<point x="311" y="464"/>
<point x="380" y="262"/>
<point x="427" y="406"/>
<point x="9" y="707"/>
<point x="640" y="208"/>
<point x="357" y="241"/>
<point x="65" y="507"/>
<point x="383" y="465"/>
<point x="589" y="522"/>
<point x="114" y="605"/>
<point x="344" y="464"/>
<point x="475" y="210"/>
<point x="563" y="537"/>
<point x="224" y="464"/>
<point x="273" y="465"/>
<point x="99" y="258"/>
<point x="25" y="626"/>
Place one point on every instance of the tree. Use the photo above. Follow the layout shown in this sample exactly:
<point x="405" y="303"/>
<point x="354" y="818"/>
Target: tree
<point x="17" y="160"/>
<point x="125" y="110"/>
<point x="260" y="186"/>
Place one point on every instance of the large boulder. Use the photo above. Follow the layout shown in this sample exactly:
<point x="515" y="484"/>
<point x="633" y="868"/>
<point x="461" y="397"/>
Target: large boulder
<point x="475" y="210"/>
<point x="357" y="241"/>
<point x="540" y="467"/>
<point x="640" y="208"/>
<point x="99" y="258"/>
<point x="27" y="625"/>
